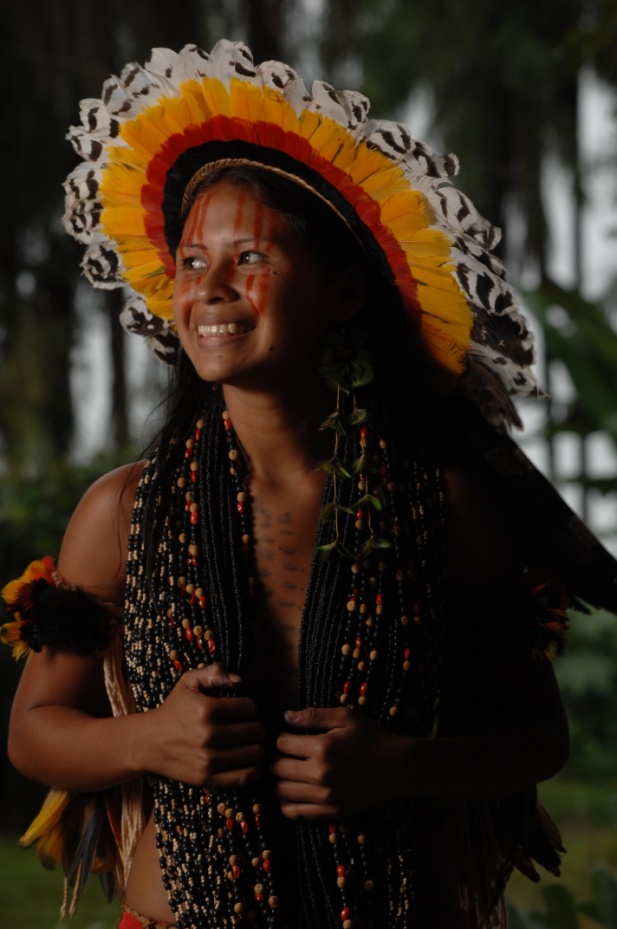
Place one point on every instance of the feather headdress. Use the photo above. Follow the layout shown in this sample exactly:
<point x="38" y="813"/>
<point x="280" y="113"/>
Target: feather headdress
<point x="390" y="188"/>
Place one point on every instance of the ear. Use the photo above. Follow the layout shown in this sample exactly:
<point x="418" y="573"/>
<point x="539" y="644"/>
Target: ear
<point x="350" y="293"/>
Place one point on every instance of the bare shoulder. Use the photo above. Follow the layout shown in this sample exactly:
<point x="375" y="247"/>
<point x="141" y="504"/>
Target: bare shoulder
<point x="94" y="548"/>
<point x="485" y="552"/>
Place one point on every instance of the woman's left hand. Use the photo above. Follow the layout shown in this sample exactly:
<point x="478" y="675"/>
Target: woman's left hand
<point x="349" y="764"/>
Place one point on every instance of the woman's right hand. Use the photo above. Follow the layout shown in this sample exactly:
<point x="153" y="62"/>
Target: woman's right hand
<point x="208" y="741"/>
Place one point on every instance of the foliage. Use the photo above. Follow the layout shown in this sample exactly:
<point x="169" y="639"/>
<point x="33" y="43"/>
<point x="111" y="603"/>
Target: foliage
<point x="587" y="344"/>
<point x="562" y="911"/>
<point x="587" y="676"/>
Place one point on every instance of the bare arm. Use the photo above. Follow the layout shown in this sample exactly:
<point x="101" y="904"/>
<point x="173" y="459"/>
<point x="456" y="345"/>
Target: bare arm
<point x="61" y="730"/>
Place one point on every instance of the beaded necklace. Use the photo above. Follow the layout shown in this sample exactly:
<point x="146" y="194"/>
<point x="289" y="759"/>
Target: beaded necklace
<point x="371" y="639"/>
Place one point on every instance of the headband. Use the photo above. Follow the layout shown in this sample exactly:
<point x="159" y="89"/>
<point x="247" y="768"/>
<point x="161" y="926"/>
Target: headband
<point x="158" y="127"/>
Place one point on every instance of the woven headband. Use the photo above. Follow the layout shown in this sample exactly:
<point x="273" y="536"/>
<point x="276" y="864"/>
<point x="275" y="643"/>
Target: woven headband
<point x="139" y="143"/>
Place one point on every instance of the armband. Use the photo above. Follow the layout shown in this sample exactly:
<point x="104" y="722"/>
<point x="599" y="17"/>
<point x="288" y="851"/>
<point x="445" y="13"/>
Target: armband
<point x="47" y="614"/>
<point x="549" y="602"/>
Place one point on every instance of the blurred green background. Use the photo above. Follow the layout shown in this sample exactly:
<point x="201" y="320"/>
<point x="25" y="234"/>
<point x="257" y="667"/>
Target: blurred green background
<point x="525" y="93"/>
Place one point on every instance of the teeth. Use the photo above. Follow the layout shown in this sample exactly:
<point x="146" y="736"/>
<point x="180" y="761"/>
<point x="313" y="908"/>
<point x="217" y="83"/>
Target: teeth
<point x="223" y="329"/>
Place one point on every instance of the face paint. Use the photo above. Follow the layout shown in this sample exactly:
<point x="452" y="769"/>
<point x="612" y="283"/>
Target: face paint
<point x="250" y="299"/>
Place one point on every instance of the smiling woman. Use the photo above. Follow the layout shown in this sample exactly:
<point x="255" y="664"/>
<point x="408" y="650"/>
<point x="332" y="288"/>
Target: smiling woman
<point x="291" y="671"/>
<point x="250" y="295"/>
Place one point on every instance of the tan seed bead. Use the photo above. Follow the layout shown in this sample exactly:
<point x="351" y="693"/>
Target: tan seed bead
<point x="404" y="620"/>
<point x="369" y="622"/>
<point x="348" y="924"/>
<point x="225" y="414"/>
<point x="417" y="619"/>
<point x="369" y="885"/>
<point x="186" y="623"/>
<point x="361" y="700"/>
<point x="363" y="609"/>
<point x="361" y="839"/>
<point x="246" y="538"/>
<point x="193" y="549"/>
<point x="238" y="907"/>
<point x="266" y="854"/>
<point x="393" y="710"/>
<point x="340" y="882"/>
<point x="351" y="605"/>
<point x="189" y="443"/>
<point x="256" y="862"/>
<point x="208" y="634"/>
<point x="241" y="497"/>
<point x="239" y="817"/>
<point x="199" y="592"/>
<point x="181" y="581"/>
<point x="259" y="888"/>
<point x="182" y="538"/>
<point x="362" y="666"/>
<point x="181" y="482"/>
<point x="190" y="588"/>
<point x="233" y="859"/>
<point x="193" y="508"/>
<point x="273" y="901"/>
<point x="220" y="808"/>
<point x="233" y="454"/>
<point x="194" y="466"/>
<point x="257" y="808"/>
<point x="346" y="648"/>
<point x="344" y="699"/>
<point x="406" y="665"/>
<point x="391" y="486"/>
<point x="332" y="838"/>
<point x="229" y="813"/>
<point x="355" y="568"/>
<point x="202" y="664"/>
<point x="379" y="610"/>
<point x="374" y="655"/>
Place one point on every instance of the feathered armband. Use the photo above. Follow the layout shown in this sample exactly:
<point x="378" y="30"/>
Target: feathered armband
<point x="549" y="601"/>
<point x="47" y="614"/>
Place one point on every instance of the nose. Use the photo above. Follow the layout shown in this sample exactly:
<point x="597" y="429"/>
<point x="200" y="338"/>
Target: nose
<point x="215" y="284"/>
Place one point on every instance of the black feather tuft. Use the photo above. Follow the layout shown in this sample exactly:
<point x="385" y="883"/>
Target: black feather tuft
<point x="67" y="620"/>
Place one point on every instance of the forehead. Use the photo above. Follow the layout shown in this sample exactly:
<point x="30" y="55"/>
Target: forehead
<point x="237" y="207"/>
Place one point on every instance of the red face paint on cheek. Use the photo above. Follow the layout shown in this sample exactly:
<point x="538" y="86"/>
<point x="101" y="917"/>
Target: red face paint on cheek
<point x="258" y="290"/>
<point x="259" y="286"/>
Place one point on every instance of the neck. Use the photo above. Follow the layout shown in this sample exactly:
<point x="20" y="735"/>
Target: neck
<point x="279" y="433"/>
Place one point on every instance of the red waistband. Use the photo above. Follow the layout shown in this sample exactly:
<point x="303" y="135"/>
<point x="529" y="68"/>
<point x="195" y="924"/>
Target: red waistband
<point x="133" y="921"/>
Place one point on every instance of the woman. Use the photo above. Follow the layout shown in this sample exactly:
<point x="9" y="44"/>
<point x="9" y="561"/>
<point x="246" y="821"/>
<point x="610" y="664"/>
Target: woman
<point x="325" y="628"/>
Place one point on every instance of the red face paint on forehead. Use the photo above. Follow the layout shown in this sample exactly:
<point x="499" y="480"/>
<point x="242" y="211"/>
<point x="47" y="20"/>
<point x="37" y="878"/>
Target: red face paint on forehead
<point x="196" y="220"/>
